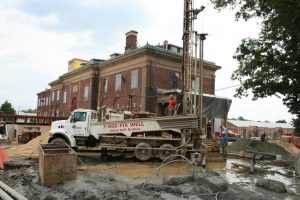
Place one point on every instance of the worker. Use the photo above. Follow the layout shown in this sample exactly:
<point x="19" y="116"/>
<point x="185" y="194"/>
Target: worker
<point x="179" y="106"/>
<point x="263" y="137"/>
<point x="224" y="142"/>
<point x="171" y="106"/>
<point x="253" y="162"/>
<point x="208" y="130"/>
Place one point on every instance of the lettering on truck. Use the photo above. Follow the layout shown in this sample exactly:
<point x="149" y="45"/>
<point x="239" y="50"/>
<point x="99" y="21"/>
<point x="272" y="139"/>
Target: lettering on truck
<point x="122" y="127"/>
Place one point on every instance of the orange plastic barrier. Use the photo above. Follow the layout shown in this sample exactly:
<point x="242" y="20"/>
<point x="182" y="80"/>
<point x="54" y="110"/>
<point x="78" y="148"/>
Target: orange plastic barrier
<point x="3" y="158"/>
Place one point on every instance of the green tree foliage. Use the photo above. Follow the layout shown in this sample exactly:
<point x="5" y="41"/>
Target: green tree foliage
<point x="281" y="121"/>
<point x="242" y="118"/>
<point x="30" y="110"/>
<point x="269" y="65"/>
<point x="6" y="108"/>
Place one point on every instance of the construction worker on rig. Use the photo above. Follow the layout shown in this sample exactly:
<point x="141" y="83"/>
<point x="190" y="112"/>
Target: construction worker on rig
<point x="171" y="106"/>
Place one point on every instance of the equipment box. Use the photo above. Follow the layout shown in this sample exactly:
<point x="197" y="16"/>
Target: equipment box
<point x="57" y="163"/>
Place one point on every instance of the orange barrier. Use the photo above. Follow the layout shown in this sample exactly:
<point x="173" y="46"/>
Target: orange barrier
<point x="3" y="158"/>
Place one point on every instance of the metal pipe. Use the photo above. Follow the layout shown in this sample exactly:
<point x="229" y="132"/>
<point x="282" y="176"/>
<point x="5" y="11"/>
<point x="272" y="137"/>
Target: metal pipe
<point x="202" y="38"/>
<point x="195" y="75"/>
<point x="4" y="195"/>
<point x="11" y="191"/>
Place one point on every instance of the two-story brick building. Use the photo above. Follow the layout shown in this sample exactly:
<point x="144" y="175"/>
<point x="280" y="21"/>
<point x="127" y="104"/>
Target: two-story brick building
<point x="127" y="81"/>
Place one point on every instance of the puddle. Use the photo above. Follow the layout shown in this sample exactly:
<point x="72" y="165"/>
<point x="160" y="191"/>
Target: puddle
<point x="140" y="172"/>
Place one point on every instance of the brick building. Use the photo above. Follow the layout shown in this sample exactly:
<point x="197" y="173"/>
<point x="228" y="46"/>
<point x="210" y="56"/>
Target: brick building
<point x="128" y="81"/>
<point x="249" y="129"/>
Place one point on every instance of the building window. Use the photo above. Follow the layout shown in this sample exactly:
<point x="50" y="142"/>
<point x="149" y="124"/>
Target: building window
<point x="105" y="84"/>
<point x="65" y="97"/>
<point x="74" y="88"/>
<point x="57" y="95"/>
<point x="53" y="95"/>
<point x="86" y="93"/>
<point x="118" y="82"/>
<point x="174" y="80"/>
<point x="46" y="101"/>
<point x="134" y="78"/>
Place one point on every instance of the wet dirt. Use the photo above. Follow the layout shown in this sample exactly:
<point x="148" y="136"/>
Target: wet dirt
<point x="286" y="150"/>
<point x="122" y="178"/>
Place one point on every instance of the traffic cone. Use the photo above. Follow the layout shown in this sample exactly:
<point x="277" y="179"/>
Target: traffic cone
<point x="3" y="158"/>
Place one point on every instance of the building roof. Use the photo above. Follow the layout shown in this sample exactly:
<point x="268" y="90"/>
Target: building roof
<point x="240" y="123"/>
<point x="145" y="47"/>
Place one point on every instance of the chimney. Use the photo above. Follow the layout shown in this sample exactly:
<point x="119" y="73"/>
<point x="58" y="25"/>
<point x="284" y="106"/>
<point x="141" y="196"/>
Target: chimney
<point x="131" y="40"/>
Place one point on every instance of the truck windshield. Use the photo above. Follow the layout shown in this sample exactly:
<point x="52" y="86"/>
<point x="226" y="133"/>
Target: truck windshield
<point x="78" y="117"/>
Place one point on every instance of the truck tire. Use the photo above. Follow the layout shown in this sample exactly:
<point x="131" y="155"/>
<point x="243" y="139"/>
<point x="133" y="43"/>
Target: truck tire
<point x="163" y="154"/>
<point x="145" y="153"/>
<point x="59" y="141"/>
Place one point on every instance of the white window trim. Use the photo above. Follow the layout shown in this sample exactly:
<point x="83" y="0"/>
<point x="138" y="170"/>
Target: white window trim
<point x="134" y="79"/>
<point x="118" y="82"/>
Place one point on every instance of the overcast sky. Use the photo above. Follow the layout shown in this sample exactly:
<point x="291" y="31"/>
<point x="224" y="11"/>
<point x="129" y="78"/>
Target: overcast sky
<point x="39" y="37"/>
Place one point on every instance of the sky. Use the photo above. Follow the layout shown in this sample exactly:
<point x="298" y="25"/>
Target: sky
<point x="39" y="37"/>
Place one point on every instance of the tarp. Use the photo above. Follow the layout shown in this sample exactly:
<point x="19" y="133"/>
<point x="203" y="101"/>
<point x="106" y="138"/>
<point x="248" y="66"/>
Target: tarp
<point x="213" y="106"/>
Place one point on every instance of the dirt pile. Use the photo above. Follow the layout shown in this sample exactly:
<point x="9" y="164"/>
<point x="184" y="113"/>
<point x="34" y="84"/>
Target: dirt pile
<point x="28" y="149"/>
<point x="267" y="147"/>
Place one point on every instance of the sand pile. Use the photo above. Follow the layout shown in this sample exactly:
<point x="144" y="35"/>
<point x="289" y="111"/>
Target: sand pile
<point x="267" y="147"/>
<point x="28" y="149"/>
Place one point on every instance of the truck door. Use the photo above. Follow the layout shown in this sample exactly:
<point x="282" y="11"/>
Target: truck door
<point x="79" y="123"/>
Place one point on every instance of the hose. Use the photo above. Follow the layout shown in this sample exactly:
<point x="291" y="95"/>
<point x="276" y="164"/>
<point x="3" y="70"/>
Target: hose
<point x="164" y="163"/>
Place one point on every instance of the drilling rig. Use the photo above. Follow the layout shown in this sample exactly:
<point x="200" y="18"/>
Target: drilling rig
<point x="191" y="68"/>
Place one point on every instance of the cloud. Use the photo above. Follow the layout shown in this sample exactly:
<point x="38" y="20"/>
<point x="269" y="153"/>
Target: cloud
<point x="27" y="47"/>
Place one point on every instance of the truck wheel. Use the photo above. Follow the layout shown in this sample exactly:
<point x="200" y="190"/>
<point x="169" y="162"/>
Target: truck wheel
<point x="143" y="153"/>
<point x="163" y="154"/>
<point x="58" y="141"/>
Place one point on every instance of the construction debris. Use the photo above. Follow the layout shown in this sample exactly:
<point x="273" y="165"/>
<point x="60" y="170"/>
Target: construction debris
<point x="275" y="186"/>
<point x="267" y="148"/>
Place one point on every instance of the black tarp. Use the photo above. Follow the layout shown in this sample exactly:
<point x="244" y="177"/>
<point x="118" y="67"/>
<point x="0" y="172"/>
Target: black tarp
<point x="213" y="106"/>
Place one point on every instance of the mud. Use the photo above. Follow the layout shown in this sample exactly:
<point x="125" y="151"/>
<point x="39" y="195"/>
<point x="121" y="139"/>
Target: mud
<point x="267" y="147"/>
<point x="124" y="180"/>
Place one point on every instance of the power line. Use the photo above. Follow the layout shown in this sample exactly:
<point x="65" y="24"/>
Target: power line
<point x="228" y="87"/>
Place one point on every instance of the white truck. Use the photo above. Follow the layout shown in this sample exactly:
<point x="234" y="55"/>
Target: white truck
<point x="122" y="132"/>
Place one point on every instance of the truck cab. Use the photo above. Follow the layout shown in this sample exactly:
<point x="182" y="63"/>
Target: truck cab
<point x="76" y="126"/>
<point x="76" y="131"/>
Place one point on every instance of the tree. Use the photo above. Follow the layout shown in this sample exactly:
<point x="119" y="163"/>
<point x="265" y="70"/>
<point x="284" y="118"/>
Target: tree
<point x="242" y="118"/>
<point x="269" y="65"/>
<point x="281" y="121"/>
<point x="6" y="108"/>
<point x="30" y="110"/>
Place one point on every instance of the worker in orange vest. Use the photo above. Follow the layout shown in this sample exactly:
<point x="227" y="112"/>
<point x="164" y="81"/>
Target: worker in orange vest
<point x="171" y="106"/>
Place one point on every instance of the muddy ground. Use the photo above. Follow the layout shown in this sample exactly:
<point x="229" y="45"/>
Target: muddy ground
<point x="124" y="179"/>
<point x="121" y="178"/>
